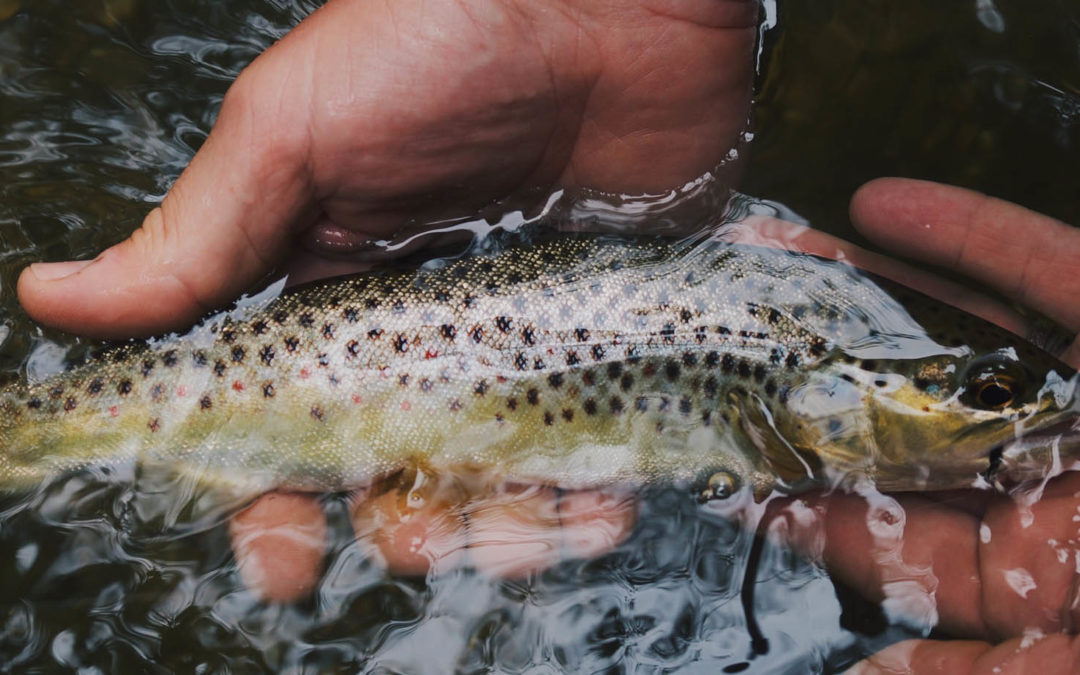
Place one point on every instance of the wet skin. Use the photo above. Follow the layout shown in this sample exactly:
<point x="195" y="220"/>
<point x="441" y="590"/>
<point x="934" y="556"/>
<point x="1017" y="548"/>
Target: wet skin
<point x="339" y="134"/>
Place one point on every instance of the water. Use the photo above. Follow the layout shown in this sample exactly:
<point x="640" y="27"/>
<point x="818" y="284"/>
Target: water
<point x="101" y="106"/>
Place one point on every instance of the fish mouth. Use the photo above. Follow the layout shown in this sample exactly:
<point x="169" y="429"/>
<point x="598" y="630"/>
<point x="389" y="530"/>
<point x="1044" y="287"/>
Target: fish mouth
<point x="1040" y="454"/>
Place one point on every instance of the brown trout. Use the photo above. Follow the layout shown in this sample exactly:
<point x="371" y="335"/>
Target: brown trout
<point x="578" y="361"/>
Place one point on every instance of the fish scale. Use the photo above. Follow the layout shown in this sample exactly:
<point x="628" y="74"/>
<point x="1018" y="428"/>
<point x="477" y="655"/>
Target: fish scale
<point x="577" y="361"/>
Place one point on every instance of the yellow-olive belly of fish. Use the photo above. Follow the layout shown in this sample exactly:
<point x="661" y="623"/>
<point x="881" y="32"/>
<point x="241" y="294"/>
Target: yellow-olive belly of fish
<point x="578" y="362"/>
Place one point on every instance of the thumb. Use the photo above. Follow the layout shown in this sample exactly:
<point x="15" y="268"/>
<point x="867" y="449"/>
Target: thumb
<point x="224" y="224"/>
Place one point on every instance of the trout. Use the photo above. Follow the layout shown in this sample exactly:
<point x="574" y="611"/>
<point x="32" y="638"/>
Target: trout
<point x="578" y="361"/>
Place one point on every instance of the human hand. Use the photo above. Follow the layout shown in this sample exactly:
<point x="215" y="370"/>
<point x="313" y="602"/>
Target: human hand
<point x="372" y="116"/>
<point x="1000" y="571"/>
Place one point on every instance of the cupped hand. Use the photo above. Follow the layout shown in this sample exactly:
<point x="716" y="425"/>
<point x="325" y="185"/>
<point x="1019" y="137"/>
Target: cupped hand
<point x="373" y="116"/>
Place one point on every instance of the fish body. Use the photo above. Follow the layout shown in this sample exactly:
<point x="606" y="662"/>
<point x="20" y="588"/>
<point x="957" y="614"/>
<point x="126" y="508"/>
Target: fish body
<point x="576" y="361"/>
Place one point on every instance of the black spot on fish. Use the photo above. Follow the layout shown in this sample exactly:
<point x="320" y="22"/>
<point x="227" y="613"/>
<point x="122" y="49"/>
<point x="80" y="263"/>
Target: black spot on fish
<point x="614" y="370"/>
<point x="442" y="296"/>
<point x="33" y="403"/>
<point x="667" y="334"/>
<point x="220" y="368"/>
<point x="759" y="372"/>
<point x="671" y="370"/>
<point x="711" y="386"/>
<point x="774" y="315"/>
<point x="228" y="335"/>
<point x="723" y="330"/>
<point x="588" y="378"/>
<point x="582" y="334"/>
<point x="685" y="406"/>
<point x="881" y="382"/>
<point x="292" y="343"/>
<point x="238" y="354"/>
<point x="572" y="358"/>
<point x="689" y="359"/>
<point x="520" y="362"/>
<point x="469" y="300"/>
<point x="817" y="346"/>
<point x="398" y="307"/>
<point x="665" y="403"/>
<point x="706" y="418"/>
<point x="727" y="363"/>
<point x="568" y="414"/>
<point x="533" y="396"/>
<point x="154" y="424"/>
<point x="503" y="323"/>
<point x="403" y="380"/>
<point x="69" y="404"/>
<point x="332" y="378"/>
<point x="259" y="327"/>
<point x="712" y="359"/>
<point x="626" y="382"/>
<point x="371" y="303"/>
<point x="94" y="388"/>
<point x="57" y="391"/>
<point x="205" y="403"/>
<point x="478" y="333"/>
<point x="685" y="315"/>
<point x="549" y="419"/>
<point x="266" y="354"/>
<point x="921" y="383"/>
<point x="641" y="403"/>
<point x="770" y="387"/>
<point x="597" y="352"/>
<point x="351" y="314"/>
<point x="281" y="316"/>
<point x="499" y="418"/>
<point x="169" y="358"/>
<point x="448" y="331"/>
<point x="323" y="359"/>
<point x="401" y="343"/>
<point x="157" y="392"/>
<point x="426" y="385"/>
<point x="147" y="367"/>
<point x="512" y="403"/>
<point x="480" y="388"/>
<point x="124" y="388"/>
<point x="306" y="320"/>
<point x="744" y="368"/>
<point x="375" y="333"/>
<point x="775" y="357"/>
<point x="528" y="335"/>
<point x="847" y="378"/>
<point x="870" y="364"/>
<point x="589" y="406"/>
<point x="328" y="331"/>
<point x="538" y="363"/>
<point x="555" y="380"/>
<point x="317" y="413"/>
<point x="632" y="355"/>
<point x="199" y="359"/>
<point x="268" y="390"/>
<point x="792" y="360"/>
<point x="616" y="405"/>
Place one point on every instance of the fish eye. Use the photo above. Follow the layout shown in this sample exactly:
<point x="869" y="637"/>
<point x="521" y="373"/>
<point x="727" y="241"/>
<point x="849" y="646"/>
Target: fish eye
<point x="994" y="383"/>
<point x="995" y="392"/>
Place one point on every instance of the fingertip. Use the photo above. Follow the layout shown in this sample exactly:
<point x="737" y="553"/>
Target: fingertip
<point x="595" y="521"/>
<point x="515" y="533"/>
<point x="279" y="543"/>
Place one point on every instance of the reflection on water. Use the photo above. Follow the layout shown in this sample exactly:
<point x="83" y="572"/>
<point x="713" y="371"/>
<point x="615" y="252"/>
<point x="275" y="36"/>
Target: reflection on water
<point x="102" y="104"/>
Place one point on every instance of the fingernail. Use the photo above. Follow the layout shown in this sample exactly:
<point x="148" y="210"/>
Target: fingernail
<point x="57" y="270"/>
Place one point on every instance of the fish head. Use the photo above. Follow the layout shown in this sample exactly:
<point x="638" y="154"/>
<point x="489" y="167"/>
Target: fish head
<point x="957" y="419"/>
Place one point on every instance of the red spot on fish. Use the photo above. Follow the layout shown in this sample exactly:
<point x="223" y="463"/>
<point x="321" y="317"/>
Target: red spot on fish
<point x="237" y="385"/>
<point x="305" y="373"/>
<point x="357" y="399"/>
<point x="500" y="379"/>
<point x="181" y="390"/>
<point x="431" y="354"/>
<point x="406" y="406"/>
<point x="114" y="411"/>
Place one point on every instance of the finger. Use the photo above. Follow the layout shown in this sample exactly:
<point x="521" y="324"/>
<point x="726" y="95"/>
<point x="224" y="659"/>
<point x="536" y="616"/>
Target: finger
<point x="515" y="532"/>
<point x="1034" y="655"/>
<point x="776" y="233"/>
<point x="1026" y="255"/>
<point x="1002" y="573"/>
<point x="279" y="543"/>
<point x="227" y="220"/>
